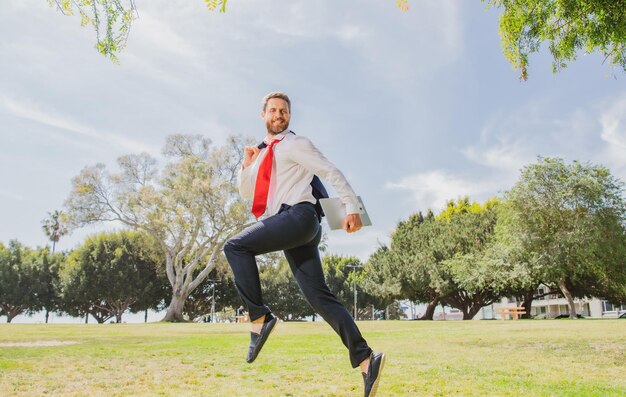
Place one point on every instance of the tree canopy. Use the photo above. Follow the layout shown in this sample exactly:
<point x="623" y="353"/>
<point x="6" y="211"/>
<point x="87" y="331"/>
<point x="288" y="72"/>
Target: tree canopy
<point x="281" y="291"/>
<point x="191" y="207"/>
<point x="55" y="226"/>
<point x="111" y="273"/>
<point x="27" y="279"/>
<point x="440" y="259"/>
<point x="569" y="220"/>
<point x="569" y="26"/>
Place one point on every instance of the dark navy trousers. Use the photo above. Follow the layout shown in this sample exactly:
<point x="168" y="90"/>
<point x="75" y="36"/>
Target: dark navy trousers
<point x="297" y="232"/>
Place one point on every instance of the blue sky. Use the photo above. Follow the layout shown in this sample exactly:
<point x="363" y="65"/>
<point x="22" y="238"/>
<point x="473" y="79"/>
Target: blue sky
<point x="415" y="108"/>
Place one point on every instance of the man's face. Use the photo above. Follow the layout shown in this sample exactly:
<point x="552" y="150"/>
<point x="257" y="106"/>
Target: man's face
<point x="276" y="116"/>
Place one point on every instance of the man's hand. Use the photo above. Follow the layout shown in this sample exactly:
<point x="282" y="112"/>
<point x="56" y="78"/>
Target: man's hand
<point x="352" y="223"/>
<point x="250" y="153"/>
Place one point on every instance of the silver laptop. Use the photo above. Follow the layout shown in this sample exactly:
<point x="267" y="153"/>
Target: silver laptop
<point x="336" y="212"/>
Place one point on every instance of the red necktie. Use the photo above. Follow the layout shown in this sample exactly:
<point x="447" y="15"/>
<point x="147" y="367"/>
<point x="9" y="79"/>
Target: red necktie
<point x="262" y="186"/>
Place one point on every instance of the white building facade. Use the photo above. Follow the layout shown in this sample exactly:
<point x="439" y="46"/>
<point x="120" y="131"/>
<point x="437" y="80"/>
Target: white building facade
<point x="555" y="305"/>
<point x="548" y="306"/>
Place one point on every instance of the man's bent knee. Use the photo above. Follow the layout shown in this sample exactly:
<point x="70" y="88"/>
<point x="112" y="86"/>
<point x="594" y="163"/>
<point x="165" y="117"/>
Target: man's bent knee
<point x="230" y="247"/>
<point x="234" y="247"/>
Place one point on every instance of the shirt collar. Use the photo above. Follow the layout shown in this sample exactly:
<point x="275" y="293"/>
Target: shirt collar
<point x="280" y="137"/>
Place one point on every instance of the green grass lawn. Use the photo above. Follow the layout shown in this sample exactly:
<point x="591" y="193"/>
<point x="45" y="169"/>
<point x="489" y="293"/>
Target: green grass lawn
<point x="454" y="358"/>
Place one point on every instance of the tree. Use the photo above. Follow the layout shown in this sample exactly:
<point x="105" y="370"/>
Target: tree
<point x="570" y="26"/>
<point x="191" y="208"/>
<point x="55" y="227"/>
<point x="109" y="273"/>
<point x="407" y="268"/>
<point x="112" y="19"/>
<point x="219" y="285"/>
<point x="570" y="219"/>
<point x="463" y="278"/>
<point x="441" y="259"/>
<point x="12" y="296"/>
<point x="20" y="286"/>
<point x="339" y="276"/>
<point x="380" y="281"/>
<point x="199" y="303"/>
<point x="45" y="284"/>
<point x="281" y="291"/>
<point x="512" y="268"/>
<point x="342" y="273"/>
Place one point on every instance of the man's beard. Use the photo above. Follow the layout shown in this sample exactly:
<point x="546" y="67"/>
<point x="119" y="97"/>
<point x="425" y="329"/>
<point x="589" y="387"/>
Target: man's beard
<point x="279" y="127"/>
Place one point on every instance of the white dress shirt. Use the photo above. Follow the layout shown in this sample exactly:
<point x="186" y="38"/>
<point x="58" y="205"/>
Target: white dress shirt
<point x="296" y="160"/>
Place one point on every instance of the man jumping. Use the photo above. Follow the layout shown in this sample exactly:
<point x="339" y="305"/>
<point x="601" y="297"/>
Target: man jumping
<point x="278" y="176"/>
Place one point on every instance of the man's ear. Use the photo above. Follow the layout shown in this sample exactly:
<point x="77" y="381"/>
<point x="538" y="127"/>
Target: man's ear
<point x="262" y="114"/>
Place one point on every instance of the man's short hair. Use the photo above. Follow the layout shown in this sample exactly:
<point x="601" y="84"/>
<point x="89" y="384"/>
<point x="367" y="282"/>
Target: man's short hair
<point x="276" y="94"/>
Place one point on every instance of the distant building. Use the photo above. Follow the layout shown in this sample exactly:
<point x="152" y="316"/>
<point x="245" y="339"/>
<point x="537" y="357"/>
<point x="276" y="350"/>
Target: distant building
<point x="548" y="306"/>
<point x="554" y="305"/>
<point x="414" y="311"/>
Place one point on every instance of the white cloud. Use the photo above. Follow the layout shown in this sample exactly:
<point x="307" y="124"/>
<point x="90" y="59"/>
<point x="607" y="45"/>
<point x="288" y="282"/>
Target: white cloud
<point x="11" y="196"/>
<point x="510" y="141"/>
<point x="32" y="111"/>
<point x="613" y="122"/>
<point x="432" y="189"/>
<point x="308" y="20"/>
<point x="389" y="44"/>
<point x="506" y="154"/>
<point x="447" y="22"/>
<point x="402" y="61"/>
<point x="159" y="37"/>
<point x="594" y="132"/>
<point x="360" y="244"/>
<point x="613" y="133"/>
<point x="347" y="33"/>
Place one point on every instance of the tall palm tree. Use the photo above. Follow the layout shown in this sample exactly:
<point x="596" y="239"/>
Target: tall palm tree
<point x="54" y="226"/>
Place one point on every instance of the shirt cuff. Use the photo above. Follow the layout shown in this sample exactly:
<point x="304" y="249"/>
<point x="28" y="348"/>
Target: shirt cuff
<point x="353" y="206"/>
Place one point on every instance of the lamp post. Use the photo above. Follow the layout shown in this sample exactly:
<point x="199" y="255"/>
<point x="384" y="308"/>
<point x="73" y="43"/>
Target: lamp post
<point x="354" y="267"/>
<point x="213" y="284"/>
<point x="213" y="304"/>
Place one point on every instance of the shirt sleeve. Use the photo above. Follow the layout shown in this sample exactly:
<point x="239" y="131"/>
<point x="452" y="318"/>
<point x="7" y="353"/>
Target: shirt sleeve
<point x="246" y="181"/>
<point x="307" y="155"/>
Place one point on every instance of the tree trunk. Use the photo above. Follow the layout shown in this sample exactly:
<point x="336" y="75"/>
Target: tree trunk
<point x="570" y="299"/>
<point x="145" y="317"/>
<point x="10" y="316"/>
<point x="87" y="318"/>
<point x="100" y="319"/>
<point x="471" y="312"/>
<point x="528" y="304"/>
<point x="12" y="311"/>
<point x="47" y="315"/>
<point x="175" y="309"/>
<point x="430" y="309"/>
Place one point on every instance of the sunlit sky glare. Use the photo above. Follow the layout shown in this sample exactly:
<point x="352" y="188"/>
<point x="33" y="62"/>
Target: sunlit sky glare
<point x="414" y="107"/>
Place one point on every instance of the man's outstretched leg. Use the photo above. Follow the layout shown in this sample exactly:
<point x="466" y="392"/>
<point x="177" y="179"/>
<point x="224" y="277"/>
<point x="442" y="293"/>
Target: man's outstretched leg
<point x="306" y="266"/>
